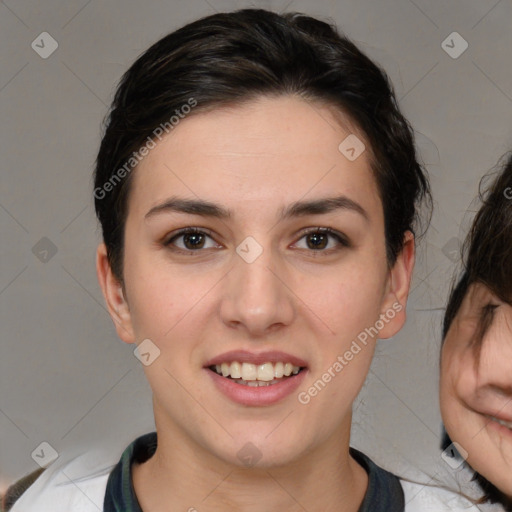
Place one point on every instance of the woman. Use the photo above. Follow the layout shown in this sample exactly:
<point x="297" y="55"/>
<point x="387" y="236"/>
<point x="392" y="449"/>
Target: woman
<point x="257" y="188"/>
<point x="476" y="362"/>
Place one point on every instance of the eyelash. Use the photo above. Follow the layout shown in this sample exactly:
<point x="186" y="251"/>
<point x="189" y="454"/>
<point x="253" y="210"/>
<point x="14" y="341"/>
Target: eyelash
<point x="342" y="240"/>
<point x="486" y="319"/>
<point x="489" y="309"/>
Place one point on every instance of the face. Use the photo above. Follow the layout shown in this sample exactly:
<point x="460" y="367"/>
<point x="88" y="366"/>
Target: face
<point x="260" y="292"/>
<point x="476" y="391"/>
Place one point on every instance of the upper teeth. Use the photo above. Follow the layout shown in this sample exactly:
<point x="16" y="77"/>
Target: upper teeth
<point x="507" y="424"/>
<point x="264" y="372"/>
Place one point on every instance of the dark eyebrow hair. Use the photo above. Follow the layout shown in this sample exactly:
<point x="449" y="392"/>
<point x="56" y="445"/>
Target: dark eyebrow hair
<point x="324" y="205"/>
<point x="296" y="209"/>
<point x="191" y="206"/>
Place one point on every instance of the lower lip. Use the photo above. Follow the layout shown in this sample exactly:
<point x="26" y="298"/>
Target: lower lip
<point x="257" y="396"/>
<point x="497" y="427"/>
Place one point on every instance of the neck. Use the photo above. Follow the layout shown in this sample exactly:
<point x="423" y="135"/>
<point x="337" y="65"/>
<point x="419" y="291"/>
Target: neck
<point x="181" y="475"/>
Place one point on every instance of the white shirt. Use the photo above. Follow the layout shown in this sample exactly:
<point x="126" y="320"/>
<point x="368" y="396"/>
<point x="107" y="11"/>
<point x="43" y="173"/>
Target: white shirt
<point x="78" y="484"/>
<point x="448" y="489"/>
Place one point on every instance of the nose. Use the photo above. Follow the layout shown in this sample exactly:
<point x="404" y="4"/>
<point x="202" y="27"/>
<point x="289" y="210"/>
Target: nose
<point x="257" y="294"/>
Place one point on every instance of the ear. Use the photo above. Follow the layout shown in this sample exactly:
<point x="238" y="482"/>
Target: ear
<point x="114" y="296"/>
<point x="393" y="313"/>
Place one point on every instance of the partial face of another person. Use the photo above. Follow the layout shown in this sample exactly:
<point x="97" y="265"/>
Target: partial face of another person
<point x="260" y="281"/>
<point x="476" y="385"/>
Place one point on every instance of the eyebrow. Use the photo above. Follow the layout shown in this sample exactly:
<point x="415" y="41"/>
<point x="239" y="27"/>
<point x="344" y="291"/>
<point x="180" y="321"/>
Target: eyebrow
<point x="296" y="209"/>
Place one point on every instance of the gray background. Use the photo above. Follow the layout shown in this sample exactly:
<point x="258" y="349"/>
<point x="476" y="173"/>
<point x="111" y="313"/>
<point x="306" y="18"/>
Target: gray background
<point x="65" y="377"/>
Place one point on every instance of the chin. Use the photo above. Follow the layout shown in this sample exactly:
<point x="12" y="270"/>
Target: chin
<point x="257" y="452"/>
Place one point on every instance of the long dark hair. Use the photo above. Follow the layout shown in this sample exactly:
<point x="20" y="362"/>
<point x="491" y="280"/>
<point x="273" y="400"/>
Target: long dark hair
<point x="487" y="259"/>
<point x="487" y="250"/>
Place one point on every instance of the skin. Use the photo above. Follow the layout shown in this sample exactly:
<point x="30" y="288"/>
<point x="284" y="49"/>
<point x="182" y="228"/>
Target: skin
<point x="473" y="389"/>
<point x="254" y="159"/>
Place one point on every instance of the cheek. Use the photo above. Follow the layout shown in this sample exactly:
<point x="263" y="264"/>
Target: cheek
<point x="457" y="384"/>
<point x="352" y="299"/>
<point x="463" y="376"/>
<point x="447" y="400"/>
<point x="342" y="310"/>
<point x="160" y="296"/>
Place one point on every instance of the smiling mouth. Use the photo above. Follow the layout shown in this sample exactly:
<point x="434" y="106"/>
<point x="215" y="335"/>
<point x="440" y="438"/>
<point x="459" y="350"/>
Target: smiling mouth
<point x="256" y="375"/>
<point x="507" y="424"/>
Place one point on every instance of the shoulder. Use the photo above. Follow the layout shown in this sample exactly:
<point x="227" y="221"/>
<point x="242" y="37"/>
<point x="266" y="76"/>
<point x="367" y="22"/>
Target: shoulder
<point x="384" y="492"/>
<point x="77" y="483"/>
<point x="418" y="493"/>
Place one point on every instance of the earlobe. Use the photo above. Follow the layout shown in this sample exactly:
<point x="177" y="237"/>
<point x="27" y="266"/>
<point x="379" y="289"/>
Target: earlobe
<point x="399" y="281"/>
<point x="114" y="296"/>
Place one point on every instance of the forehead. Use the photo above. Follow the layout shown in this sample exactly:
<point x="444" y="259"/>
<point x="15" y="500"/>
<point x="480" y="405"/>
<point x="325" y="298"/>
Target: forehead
<point x="268" y="150"/>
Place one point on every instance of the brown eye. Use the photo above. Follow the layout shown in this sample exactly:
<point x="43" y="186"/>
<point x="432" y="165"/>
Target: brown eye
<point x="192" y="239"/>
<point x="319" y="239"/>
